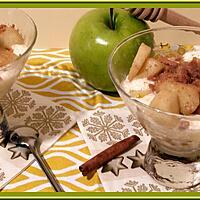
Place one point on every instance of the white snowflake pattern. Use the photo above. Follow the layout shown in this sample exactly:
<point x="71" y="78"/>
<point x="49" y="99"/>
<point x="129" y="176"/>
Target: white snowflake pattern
<point x="135" y="186"/>
<point x="105" y="128"/>
<point x="48" y="120"/>
<point x="16" y="103"/>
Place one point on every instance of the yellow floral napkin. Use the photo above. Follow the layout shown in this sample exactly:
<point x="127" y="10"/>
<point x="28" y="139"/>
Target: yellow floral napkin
<point x="102" y="128"/>
<point x="28" y="114"/>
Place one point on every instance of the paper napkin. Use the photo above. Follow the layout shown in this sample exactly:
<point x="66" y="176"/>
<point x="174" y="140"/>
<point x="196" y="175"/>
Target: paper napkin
<point x="28" y="112"/>
<point x="102" y="128"/>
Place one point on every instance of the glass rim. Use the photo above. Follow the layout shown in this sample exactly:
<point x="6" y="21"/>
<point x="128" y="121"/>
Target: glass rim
<point x="133" y="36"/>
<point x="30" y="46"/>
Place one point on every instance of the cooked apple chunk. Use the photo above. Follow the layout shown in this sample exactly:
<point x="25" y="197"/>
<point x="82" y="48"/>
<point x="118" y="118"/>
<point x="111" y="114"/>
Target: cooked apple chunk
<point x="188" y="98"/>
<point x="167" y="85"/>
<point x="9" y="37"/>
<point x="151" y="68"/>
<point x="139" y="60"/>
<point x="166" y="101"/>
<point x="188" y="95"/>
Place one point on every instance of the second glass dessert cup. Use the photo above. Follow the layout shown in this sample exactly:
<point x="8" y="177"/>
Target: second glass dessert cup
<point x="27" y="29"/>
<point x="10" y="72"/>
<point x="173" y="155"/>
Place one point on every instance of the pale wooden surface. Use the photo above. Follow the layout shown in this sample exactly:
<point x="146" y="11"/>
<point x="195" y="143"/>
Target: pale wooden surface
<point x="55" y="25"/>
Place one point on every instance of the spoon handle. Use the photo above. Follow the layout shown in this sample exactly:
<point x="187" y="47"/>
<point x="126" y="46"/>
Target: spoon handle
<point x="45" y="167"/>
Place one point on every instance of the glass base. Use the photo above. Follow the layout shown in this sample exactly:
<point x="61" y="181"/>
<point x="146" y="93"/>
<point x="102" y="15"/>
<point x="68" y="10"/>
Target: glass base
<point x="171" y="171"/>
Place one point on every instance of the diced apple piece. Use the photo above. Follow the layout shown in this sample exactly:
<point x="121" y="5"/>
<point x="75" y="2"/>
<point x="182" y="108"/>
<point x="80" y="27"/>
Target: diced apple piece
<point x="10" y="37"/>
<point x="153" y="67"/>
<point x="188" y="98"/>
<point x="166" y="101"/>
<point x="139" y="60"/>
<point x="188" y="95"/>
<point x="142" y="73"/>
<point x="6" y="56"/>
<point x="168" y="85"/>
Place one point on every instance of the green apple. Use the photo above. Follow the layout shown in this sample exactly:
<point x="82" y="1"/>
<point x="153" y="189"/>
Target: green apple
<point x="92" y="40"/>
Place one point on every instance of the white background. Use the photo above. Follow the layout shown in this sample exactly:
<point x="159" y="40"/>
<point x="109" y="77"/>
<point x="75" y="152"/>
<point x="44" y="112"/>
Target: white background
<point x="55" y="25"/>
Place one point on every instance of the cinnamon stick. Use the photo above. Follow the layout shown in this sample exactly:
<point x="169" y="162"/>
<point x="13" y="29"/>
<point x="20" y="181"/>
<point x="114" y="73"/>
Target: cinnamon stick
<point x="108" y="154"/>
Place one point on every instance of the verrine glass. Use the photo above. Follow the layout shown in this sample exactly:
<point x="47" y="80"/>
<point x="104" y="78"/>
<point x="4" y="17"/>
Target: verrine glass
<point x="172" y="157"/>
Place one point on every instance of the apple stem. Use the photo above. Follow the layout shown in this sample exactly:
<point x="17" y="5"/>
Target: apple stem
<point x="112" y="24"/>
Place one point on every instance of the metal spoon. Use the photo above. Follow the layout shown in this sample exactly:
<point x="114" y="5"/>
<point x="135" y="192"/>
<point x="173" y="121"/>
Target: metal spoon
<point x="33" y="144"/>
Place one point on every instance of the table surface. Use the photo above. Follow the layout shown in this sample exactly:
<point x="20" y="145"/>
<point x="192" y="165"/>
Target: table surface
<point x="49" y="73"/>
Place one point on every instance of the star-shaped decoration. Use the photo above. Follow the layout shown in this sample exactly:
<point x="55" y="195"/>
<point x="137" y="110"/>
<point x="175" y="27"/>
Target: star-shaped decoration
<point x="138" y="159"/>
<point x="19" y="151"/>
<point x="114" y="166"/>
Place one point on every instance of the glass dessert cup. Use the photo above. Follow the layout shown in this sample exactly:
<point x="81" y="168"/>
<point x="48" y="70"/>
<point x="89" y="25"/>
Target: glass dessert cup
<point x="173" y="154"/>
<point x="10" y="71"/>
<point x="27" y="28"/>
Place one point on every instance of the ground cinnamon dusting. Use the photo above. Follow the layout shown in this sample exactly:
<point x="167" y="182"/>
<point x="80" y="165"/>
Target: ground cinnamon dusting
<point x="179" y="71"/>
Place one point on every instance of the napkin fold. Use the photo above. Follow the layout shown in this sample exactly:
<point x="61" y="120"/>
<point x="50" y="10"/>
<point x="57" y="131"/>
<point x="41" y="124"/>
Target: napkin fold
<point x="29" y="113"/>
<point x="102" y="128"/>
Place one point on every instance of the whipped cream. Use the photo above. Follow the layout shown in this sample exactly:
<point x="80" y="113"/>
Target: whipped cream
<point x="136" y="84"/>
<point x="188" y="56"/>
<point x="140" y="84"/>
<point x="19" y="49"/>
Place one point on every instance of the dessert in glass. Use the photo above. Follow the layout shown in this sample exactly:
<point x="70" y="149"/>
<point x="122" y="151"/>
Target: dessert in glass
<point x="160" y="84"/>
<point x="17" y="36"/>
